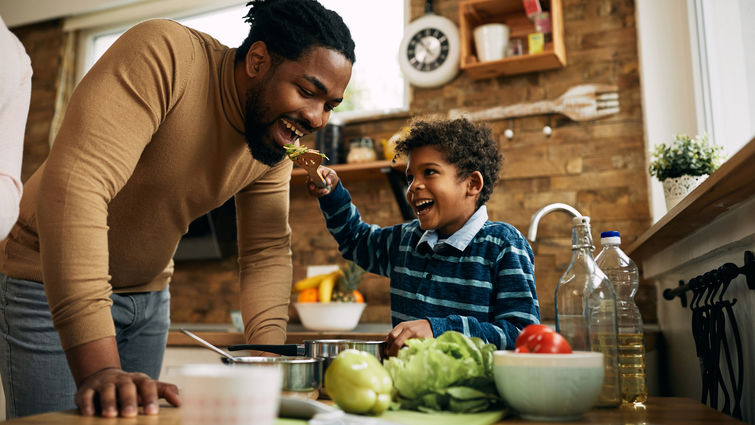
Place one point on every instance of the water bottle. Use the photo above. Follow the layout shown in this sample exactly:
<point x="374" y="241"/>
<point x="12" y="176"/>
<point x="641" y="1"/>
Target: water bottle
<point x="624" y="275"/>
<point x="586" y="310"/>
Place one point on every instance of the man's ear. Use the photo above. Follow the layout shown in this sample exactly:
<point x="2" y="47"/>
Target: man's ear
<point x="475" y="182"/>
<point x="257" y="60"/>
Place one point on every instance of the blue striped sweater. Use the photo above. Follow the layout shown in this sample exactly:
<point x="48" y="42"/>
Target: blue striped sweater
<point x="486" y="290"/>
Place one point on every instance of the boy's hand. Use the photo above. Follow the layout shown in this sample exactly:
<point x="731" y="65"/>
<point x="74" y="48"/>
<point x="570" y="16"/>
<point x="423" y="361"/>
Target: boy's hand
<point x="405" y="330"/>
<point x="331" y="179"/>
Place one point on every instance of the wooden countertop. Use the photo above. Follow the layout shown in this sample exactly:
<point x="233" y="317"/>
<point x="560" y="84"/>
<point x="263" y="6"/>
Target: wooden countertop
<point x="658" y="411"/>
<point x="224" y="339"/>
<point x="731" y="184"/>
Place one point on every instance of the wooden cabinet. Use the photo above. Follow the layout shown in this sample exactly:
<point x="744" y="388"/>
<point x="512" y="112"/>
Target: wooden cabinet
<point x="510" y="12"/>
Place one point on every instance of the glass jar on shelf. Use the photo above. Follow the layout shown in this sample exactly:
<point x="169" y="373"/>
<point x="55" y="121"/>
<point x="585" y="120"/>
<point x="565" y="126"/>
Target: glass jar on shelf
<point x="361" y="149"/>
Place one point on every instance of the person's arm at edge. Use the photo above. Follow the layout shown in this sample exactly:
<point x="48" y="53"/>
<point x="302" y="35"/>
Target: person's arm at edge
<point x="16" y="76"/>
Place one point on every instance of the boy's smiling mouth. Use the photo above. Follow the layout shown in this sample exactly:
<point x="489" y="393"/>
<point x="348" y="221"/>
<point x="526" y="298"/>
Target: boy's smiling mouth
<point x="423" y="206"/>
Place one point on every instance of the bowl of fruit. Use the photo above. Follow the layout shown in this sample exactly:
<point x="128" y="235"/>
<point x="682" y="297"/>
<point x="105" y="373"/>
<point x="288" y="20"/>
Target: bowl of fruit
<point x="330" y="301"/>
<point x="544" y="380"/>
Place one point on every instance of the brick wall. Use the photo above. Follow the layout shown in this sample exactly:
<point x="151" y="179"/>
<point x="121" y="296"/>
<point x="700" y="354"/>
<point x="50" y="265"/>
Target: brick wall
<point x="596" y="166"/>
<point x="43" y="43"/>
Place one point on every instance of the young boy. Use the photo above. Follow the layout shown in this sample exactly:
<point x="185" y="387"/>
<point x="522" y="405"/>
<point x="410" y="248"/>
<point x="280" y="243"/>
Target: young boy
<point x="451" y="268"/>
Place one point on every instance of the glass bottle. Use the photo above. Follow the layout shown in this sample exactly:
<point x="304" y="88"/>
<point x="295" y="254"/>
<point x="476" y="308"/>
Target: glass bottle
<point x="625" y="277"/>
<point x="586" y="310"/>
<point x="361" y="150"/>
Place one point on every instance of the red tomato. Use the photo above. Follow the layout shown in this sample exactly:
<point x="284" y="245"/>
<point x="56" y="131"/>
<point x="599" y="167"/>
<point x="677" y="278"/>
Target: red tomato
<point x="541" y="339"/>
<point x="530" y="332"/>
<point x="550" y="342"/>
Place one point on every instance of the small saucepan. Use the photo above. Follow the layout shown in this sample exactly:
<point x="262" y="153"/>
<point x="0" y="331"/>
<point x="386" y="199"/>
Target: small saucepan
<point x="327" y="349"/>
<point x="302" y="376"/>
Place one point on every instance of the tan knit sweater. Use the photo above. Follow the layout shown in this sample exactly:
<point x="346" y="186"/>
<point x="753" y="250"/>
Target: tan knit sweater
<point x="152" y="139"/>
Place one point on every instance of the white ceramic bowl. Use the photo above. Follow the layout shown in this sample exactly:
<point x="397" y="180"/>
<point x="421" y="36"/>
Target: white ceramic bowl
<point x="218" y="394"/>
<point x="549" y="387"/>
<point x="334" y="316"/>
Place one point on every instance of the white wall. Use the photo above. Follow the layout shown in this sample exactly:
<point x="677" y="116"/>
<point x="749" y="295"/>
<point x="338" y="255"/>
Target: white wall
<point x="724" y="240"/>
<point x="666" y="79"/>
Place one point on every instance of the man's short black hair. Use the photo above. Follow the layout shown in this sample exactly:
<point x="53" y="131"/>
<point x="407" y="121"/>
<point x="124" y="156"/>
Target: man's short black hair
<point x="290" y="27"/>
<point x="470" y="147"/>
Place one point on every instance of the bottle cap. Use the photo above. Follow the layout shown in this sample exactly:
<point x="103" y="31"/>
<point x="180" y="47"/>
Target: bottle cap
<point x="610" y="237"/>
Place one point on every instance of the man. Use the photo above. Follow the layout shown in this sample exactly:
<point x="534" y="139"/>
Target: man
<point x="158" y="133"/>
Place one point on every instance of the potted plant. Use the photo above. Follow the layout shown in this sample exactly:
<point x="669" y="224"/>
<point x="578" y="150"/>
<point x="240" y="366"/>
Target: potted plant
<point x="683" y="165"/>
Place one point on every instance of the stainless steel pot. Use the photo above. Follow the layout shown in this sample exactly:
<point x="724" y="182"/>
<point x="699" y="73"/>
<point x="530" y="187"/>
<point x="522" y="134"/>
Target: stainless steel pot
<point x="327" y="349"/>
<point x="302" y="376"/>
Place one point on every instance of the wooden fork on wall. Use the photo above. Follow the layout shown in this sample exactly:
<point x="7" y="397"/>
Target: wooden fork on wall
<point x="580" y="103"/>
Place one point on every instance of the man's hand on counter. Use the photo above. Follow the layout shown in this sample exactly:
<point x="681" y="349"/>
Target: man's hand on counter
<point x="103" y="386"/>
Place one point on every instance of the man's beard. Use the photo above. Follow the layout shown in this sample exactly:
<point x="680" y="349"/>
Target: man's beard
<point x="255" y="129"/>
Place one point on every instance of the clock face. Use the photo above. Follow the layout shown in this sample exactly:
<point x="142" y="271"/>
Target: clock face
<point x="427" y="49"/>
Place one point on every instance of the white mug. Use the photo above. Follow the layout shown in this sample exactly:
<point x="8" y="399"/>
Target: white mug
<point x="491" y="41"/>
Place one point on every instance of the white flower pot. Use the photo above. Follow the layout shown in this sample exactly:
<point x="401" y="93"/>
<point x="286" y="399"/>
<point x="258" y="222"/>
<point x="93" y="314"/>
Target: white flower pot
<point x="676" y="188"/>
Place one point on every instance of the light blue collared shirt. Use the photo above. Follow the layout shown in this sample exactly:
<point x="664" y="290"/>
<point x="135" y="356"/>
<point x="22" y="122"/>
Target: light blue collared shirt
<point x="462" y="237"/>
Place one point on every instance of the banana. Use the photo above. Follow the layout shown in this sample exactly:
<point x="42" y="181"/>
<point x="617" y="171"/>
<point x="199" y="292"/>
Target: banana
<point x="325" y="290"/>
<point x="310" y="282"/>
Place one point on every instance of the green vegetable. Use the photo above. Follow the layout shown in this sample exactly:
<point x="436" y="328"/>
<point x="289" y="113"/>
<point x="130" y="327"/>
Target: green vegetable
<point x="293" y="151"/>
<point x="685" y="155"/>
<point x="451" y="372"/>
<point x="358" y="383"/>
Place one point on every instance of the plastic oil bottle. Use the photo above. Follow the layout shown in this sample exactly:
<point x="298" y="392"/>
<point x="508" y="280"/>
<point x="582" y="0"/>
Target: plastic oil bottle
<point x="624" y="275"/>
<point x="586" y="310"/>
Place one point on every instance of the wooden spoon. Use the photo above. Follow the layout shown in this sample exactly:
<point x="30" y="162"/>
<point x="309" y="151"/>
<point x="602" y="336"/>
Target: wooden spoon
<point x="310" y="161"/>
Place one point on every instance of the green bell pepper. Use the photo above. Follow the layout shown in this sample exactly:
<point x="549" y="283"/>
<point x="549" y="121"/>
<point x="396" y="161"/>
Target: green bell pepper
<point x="358" y="383"/>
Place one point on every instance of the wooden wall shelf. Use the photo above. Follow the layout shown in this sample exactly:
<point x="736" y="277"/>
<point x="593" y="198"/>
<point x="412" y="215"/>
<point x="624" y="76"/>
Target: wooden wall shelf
<point x="393" y="171"/>
<point x="510" y="12"/>
<point x="726" y="188"/>
<point x="352" y="172"/>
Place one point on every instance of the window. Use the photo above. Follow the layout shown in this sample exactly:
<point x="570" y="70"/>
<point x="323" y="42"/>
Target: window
<point x="377" y="85"/>
<point x="725" y="74"/>
<point x="697" y="66"/>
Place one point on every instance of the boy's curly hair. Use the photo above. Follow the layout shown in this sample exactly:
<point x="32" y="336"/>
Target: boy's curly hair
<point x="470" y="147"/>
<point x="290" y="27"/>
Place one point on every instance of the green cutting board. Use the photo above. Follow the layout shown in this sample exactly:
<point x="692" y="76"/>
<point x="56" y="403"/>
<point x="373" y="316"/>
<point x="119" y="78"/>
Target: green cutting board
<point x="410" y="417"/>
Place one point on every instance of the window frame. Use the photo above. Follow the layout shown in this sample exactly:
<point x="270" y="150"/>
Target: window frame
<point x="119" y="19"/>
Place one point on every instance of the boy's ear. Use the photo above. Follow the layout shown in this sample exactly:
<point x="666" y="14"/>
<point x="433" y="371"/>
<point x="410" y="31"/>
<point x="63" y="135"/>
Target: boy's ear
<point x="257" y="59"/>
<point x="475" y="182"/>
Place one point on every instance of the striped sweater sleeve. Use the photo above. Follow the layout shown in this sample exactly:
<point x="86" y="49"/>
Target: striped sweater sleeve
<point x="369" y="246"/>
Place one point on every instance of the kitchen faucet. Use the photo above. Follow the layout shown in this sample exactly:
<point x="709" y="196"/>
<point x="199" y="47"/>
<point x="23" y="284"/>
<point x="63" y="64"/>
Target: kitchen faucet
<point x="545" y="210"/>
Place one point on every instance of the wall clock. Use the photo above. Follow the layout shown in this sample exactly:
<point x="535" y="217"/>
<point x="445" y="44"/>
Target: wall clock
<point x="430" y="50"/>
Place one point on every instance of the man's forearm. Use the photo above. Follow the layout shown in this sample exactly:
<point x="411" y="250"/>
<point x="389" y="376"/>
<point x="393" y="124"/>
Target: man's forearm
<point x="88" y="358"/>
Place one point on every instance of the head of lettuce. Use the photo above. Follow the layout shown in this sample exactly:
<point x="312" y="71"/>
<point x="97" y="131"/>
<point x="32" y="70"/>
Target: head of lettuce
<point x="452" y="372"/>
